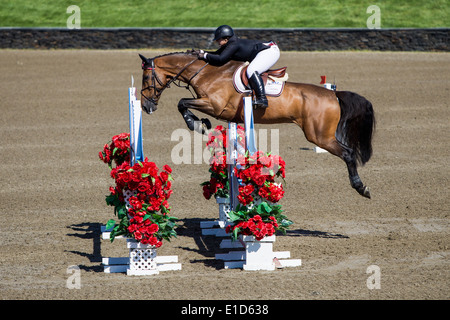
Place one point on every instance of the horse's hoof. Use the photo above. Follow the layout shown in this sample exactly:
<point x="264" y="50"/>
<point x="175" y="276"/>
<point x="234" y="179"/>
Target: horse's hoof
<point x="366" y="192"/>
<point x="200" y="127"/>
<point x="204" y="128"/>
<point x="207" y="123"/>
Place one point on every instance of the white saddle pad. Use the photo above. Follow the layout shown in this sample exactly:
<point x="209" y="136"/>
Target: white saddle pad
<point x="274" y="87"/>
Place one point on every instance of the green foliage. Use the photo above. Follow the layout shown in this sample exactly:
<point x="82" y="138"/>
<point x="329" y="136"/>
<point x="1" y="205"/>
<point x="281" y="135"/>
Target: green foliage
<point x="237" y="13"/>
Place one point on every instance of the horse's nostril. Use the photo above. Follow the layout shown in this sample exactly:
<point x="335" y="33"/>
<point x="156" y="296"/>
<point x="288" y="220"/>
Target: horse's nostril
<point x="149" y="107"/>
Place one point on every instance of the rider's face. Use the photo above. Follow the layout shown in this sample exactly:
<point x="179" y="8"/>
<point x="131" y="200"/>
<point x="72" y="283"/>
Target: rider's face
<point x="222" y="41"/>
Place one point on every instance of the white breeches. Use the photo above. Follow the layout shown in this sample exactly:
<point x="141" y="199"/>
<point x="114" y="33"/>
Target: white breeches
<point x="264" y="60"/>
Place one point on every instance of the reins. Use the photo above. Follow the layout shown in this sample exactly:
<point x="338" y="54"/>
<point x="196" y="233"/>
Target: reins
<point x="173" y="80"/>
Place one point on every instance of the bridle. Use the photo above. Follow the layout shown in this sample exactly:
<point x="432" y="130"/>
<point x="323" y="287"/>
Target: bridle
<point x="155" y="97"/>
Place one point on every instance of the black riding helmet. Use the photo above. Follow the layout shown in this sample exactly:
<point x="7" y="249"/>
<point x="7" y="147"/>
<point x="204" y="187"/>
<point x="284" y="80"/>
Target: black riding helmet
<point x="223" y="31"/>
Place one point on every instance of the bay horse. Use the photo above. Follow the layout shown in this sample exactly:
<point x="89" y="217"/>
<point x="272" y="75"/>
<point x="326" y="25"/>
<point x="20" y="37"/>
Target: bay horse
<point x="341" y="122"/>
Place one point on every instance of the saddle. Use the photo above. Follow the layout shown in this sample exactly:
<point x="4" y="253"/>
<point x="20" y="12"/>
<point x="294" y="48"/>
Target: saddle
<point x="275" y="75"/>
<point x="274" y="80"/>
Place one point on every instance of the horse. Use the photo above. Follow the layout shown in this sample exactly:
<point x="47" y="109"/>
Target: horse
<point x="341" y="122"/>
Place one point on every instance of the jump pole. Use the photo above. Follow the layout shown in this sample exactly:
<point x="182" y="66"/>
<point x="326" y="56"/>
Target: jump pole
<point x="235" y="149"/>
<point x="135" y="116"/>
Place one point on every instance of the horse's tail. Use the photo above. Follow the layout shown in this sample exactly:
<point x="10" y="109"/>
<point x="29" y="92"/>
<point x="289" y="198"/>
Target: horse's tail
<point x="357" y="124"/>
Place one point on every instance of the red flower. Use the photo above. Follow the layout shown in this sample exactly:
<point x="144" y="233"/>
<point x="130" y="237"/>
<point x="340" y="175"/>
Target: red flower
<point x="153" y="228"/>
<point x="137" y="219"/>
<point x="152" y="241"/>
<point x="270" y="229"/>
<point x="245" y="199"/>
<point x="207" y="192"/>
<point x="137" y="235"/>
<point x="149" y="168"/>
<point x="168" y="194"/>
<point x="257" y="218"/>
<point x="276" y="192"/>
<point x="144" y="187"/>
<point x="164" y="176"/>
<point x="132" y="228"/>
<point x="135" y="203"/>
<point x="118" y="151"/>
<point x="247" y="190"/>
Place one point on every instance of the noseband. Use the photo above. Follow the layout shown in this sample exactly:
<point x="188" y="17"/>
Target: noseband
<point x="154" y="98"/>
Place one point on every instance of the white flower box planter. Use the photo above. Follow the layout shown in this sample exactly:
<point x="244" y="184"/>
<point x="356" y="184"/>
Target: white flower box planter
<point x="224" y="208"/>
<point x="142" y="259"/>
<point x="258" y="255"/>
<point x="216" y="227"/>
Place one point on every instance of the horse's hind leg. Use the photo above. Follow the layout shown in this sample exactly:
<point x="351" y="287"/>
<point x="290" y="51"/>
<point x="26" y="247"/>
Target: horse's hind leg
<point x="348" y="155"/>
<point x="328" y="141"/>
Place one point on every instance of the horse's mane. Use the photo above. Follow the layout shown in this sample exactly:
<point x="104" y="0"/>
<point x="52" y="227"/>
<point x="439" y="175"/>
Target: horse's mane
<point x="230" y="65"/>
<point x="173" y="53"/>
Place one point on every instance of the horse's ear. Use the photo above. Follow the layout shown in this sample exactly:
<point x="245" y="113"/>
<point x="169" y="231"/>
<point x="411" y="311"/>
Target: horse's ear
<point x="144" y="59"/>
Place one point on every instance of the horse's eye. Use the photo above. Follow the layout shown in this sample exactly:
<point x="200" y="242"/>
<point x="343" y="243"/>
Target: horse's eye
<point x="146" y="78"/>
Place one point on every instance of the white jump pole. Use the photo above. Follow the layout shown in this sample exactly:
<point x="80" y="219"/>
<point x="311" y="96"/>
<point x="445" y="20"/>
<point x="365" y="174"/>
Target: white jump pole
<point x="135" y="115"/>
<point x="234" y="148"/>
<point x="250" y="140"/>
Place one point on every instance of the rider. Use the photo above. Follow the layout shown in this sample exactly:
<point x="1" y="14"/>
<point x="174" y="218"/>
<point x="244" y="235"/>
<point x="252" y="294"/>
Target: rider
<point x="261" y="55"/>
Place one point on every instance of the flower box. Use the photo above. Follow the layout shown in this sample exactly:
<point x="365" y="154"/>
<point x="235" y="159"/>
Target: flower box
<point x="259" y="253"/>
<point x="216" y="227"/>
<point x="142" y="258"/>
<point x="224" y="208"/>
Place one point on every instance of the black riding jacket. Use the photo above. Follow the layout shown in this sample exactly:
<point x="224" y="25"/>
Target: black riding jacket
<point x="236" y="49"/>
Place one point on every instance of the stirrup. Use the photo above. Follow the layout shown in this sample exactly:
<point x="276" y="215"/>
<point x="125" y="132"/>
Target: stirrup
<point x="261" y="103"/>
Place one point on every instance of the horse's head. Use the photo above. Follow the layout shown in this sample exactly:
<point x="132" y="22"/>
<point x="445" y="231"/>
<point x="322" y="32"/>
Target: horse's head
<point x="153" y="83"/>
<point x="158" y="76"/>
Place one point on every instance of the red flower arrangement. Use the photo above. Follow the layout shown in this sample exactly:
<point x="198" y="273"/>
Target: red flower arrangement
<point x="255" y="226"/>
<point x="218" y="185"/>
<point x="257" y="213"/>
<point x="118" y="150"/>
<point x="139" y="196"/>
<point x="257" y="175"/>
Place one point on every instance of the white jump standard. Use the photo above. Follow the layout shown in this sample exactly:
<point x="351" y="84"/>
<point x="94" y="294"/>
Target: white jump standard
<point x="257" y="255"/>
<point x="142" y="259"/>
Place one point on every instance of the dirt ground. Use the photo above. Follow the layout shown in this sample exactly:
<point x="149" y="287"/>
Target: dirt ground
<point x="59" y="107"/>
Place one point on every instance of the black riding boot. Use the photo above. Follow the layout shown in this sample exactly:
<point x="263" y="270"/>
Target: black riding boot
<point x="257" y="85"/>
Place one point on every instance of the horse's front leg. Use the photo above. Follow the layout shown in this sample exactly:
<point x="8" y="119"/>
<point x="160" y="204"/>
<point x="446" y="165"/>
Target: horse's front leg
<point x="192" y="121"/>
